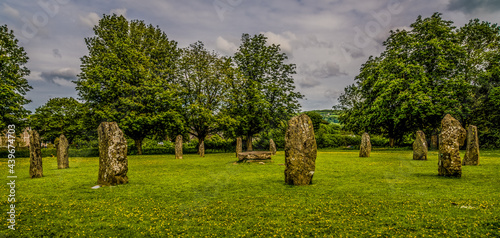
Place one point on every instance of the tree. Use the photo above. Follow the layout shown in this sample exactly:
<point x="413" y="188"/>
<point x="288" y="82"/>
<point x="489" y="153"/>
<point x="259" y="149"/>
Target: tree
<point x="13" y="84"/>
<point x="263" y="95"/>
<point x="127" y="77"/>
<point x="411" y="85"/>
<point x="58" y="116"/>
<point x="316" y="119"/>
<point x="203" y="77"/>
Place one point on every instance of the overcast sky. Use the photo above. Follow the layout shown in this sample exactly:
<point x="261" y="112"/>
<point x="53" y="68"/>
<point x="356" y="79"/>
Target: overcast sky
<point x="327" y="40"/>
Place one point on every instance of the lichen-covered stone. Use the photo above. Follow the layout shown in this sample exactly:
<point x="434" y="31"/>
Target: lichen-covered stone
<point x="472" y="154"/>
<point x="420" y="147"/>
<point x="254" y="156"/>
<point x="178" y="147"/>
<point x="451" y="138"/>
<point x="366" y="145"/>
<point x="113" y="162"/>
<point x="300" y="151"/>
<point x="434" y="142"/>
<point x="62" y="146"/>
<point x="239" y="146"/>
<point x="36" y="167"/>
<point x="272" y="147"/>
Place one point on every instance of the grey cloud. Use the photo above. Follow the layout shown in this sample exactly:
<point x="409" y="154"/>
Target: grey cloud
<point x="325" y="70"/>
<point x="62" y="77"/>
<point x="56" y="53"/>
<point x="471" y="6"/>
<point x="309" y="83"/>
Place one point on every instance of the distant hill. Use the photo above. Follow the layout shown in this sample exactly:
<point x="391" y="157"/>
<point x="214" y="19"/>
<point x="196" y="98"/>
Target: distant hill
<point x="328" y="115"/>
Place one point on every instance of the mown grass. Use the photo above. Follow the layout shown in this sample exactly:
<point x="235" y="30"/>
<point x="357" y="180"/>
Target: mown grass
<point x="387" y="195"/>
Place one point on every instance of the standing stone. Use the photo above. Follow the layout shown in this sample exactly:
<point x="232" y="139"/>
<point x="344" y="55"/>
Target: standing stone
<point x="178" y="147"/>
<point x="366" y="146"/>
<point x="472" y="153"/>
<point x="201" y="149"/>
<point x="62" y="146"/>
<point x="36" y="168"/>
<point x="239" y="146"/>
<point x="272" y="147"/>
<point x="434" y="142"/>
<point x="451" y="138"/>
<point x="113" y="162"/>
<point x="420" y="147"/>
<point x="300" y="151"/>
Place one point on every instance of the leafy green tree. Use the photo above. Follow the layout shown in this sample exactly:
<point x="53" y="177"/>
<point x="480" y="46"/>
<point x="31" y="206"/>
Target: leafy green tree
<point x="58" y="116"/>
<point x="127" y="77"/>
<point x="204" y="77"/>
<point x="264" y="94"/>
<point x="13" y="84"/>
<point x="316" y="119"/>
<point x="411" y="85"/>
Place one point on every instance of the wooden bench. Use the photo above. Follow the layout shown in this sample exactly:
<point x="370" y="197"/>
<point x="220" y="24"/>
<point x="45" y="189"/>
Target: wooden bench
<point x="254" y="156"/>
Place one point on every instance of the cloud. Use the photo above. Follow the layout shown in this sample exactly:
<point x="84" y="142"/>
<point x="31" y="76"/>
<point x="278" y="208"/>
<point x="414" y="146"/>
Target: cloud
<point x="56" y="53"/>
<point x="309" y="82"/>
<point x="285" y="41"/>
<point x="62" y="77"/>
<point x="468" y="6"/>
<point x="8" y="10"/>
<point x="325" y="70"/>
<point x="119" y="11"/>
<point x="90" y="20"/>
<point x="225" y="46"/>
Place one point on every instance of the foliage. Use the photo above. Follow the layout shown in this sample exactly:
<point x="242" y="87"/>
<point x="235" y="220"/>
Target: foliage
<point x="127" y="78"/>
<point x="203" y="78"/>
<point x="263" y="95"/>
<point x="58" y="116"/>
<point x="13" y="84"/>
<point x="316" y="119"/>
<point x="386" y="195"/>
<point x="412" y="84"/>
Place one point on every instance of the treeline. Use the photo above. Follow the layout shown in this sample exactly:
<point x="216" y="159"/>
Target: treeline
<point x="425" y="72"/>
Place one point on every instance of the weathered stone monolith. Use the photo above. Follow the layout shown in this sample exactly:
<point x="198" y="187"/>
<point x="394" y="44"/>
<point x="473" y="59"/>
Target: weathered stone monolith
<point x="451" y="138"/>
<point x="178" y="147"/>
<point x="472" y="153"/>
<point x="113" y="162"/>
<point x="434" y="142"/>
<point x="272" y="147"/>
<point x="62" y="146"/>
<point x="420" y="147"/>
<point x="201" y="149"/>
<point x="36" y="168"/>
<point x="366" y="146"/>
<point x="300" y="151"/>
<point x="239" y="146"/>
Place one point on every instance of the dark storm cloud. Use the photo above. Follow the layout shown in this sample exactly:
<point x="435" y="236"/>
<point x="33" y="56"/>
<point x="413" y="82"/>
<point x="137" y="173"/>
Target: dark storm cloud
<point x="470" y="6"/>
<point x="61" y="77"/>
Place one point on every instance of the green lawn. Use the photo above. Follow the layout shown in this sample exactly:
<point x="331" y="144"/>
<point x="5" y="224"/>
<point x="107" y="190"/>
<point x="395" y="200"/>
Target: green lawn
<point x="387" y="194"/>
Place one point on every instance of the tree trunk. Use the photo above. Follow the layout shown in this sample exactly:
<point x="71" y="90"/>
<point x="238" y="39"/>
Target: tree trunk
<point x="201" y="147"/>
<point x="391" y="142"/>
<point x="249" y="143"/>
<point x="138" y="145"/>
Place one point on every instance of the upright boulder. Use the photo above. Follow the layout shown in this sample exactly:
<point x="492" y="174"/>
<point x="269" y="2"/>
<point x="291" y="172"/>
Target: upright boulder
<point x="366" y="146"/>
<point x="36" y="168"/>
<point x="420" y="147"/>
<point x="272" y="147"/>
<point x="62" y="146"/>
<point x="113" y="162"/>
<point x="300" y="151"/>
<point x="451" y="138"/>
<point x="472" y="153"/>
<point x="239" y="146"/>
<point x="178" y="147"/>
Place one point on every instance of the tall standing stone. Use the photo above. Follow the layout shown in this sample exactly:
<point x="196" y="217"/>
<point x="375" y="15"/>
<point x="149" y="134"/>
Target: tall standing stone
<point x="434" y="142"/>
<point x="366" y="145"/>
<point x="300" y="151"/>
<point x="62" y="146"/>
<point x="451" y="138"/>
<point x="113" y="162"/>
<point x="272" y="147"/>
<point x="472" y="153"/>
<point x="36" y="168"/>
<point x="239" y="146"/>
<point x="178" y="147"/>
<point x="420" y="147"/>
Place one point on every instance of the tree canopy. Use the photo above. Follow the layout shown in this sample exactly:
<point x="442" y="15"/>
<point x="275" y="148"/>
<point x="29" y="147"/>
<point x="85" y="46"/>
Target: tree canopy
<point x="13" y="84"/>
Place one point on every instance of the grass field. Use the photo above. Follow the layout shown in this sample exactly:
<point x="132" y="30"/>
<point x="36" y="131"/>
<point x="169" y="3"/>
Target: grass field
<point x="385" y="195"/>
